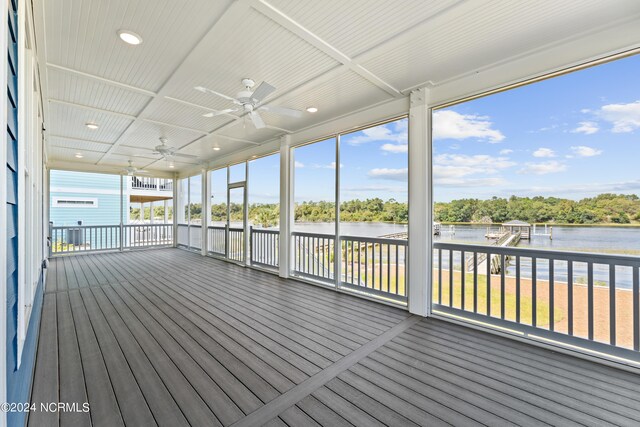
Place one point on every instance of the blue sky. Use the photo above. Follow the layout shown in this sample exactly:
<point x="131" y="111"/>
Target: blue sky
<point x="572" y="136"/>
<point x="373" y="163"/>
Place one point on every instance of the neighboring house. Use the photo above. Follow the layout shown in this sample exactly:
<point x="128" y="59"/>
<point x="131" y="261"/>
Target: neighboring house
<point x="94" y="198"/>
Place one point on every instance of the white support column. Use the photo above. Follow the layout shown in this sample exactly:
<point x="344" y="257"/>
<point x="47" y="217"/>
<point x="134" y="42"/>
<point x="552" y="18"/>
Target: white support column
<point x="151" y="206"/>
<point x="165" y="212"/>
<point x="122" y="212"/>
<point x="175" y="210"/>
<point x="206" y="211"/>
<point x="420" y="202"/>
<point x="286" y="205"/>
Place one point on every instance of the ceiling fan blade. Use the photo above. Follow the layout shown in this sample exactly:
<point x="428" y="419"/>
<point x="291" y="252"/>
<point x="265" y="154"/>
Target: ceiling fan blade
<point x="220" y="113"/>
<point x="262" y="91"/>
<point x="257" y="120"/>
<point x="145" y="156"/>
<point x="187" y="156"/>
<point x="205" y="90"/>
<point x="283" y="111"/>
<point x="141" y="173"/>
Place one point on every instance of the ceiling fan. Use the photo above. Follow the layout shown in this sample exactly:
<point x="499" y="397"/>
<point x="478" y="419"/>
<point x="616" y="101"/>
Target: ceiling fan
<point x="132" y="170"/>
<point x="249" y="101"/>
<point x="168" y="152"/>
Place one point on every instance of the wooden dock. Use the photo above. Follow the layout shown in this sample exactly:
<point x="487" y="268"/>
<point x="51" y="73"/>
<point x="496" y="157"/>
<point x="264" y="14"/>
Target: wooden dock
<point x="505" y="239"/>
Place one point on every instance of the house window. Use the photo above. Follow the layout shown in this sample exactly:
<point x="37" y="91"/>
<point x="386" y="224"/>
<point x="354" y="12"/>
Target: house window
<point x="75" y="202"/>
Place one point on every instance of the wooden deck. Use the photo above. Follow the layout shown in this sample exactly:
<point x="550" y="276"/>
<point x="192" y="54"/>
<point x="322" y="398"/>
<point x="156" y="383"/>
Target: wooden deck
<point x="167" y="337"/>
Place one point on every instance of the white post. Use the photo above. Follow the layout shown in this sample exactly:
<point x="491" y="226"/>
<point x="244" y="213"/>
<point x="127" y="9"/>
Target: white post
<point x="206" y="212"/>
<point x="166" y="213"/>
<point x="122" y="212"/>
<point x="420" y="197"/>
<point x="175" y="210"/>
<point x="151" y="206"/>
<point x="286" y="205"/>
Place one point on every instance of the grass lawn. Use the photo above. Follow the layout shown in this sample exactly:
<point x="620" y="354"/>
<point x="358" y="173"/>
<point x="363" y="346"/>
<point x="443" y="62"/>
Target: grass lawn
<point x="542" y="307"/>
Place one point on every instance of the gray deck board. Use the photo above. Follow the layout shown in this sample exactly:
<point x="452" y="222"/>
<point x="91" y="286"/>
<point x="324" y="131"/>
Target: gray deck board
<point x="46" y="370"/>
<point x="168" y="337"/>
<point x="101" y="397"/>
<point x="72" y="382"/>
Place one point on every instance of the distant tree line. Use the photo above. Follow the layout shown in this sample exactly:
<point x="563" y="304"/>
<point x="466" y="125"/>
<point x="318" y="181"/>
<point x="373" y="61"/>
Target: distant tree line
<point x="267" y="214"/>
<point x="604" y="208"/>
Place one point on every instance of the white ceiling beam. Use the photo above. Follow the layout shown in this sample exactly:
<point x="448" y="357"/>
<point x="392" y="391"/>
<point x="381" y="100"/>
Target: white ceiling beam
<point x="71" y="138"/>
<point x="102" y="80"/>
<point x="202" y="107"/>
<point x="305" y="34"/>
<point x="161" y="123"/>
<point x="90" y="108"/>
<point x="230" y="17"/>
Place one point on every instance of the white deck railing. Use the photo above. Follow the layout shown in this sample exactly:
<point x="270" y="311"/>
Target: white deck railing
<point x="151" y="184"/>
<point x="584" y="299"/>
<point x="98" y="238"/>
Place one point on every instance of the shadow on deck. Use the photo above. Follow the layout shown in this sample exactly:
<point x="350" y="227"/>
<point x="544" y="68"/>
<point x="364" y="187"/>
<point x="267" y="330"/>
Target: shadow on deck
<point x="167" y="337"/>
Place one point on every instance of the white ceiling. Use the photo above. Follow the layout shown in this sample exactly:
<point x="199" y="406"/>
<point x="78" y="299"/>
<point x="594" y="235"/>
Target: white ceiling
<point x="340" y="56"/>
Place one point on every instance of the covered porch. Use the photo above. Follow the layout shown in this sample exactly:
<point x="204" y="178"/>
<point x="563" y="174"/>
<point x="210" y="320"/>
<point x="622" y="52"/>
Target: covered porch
<point x="169" y="337"/>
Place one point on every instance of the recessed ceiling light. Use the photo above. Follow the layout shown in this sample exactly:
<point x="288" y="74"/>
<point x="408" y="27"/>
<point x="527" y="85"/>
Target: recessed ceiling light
<point x="129" y="37"/>
<point x="91" y="125"/>
<point x="312" y="109"/>
<point x="171" y="166"/>
<point x="254" y="157"/>
<point x="216" y="148"/>
<point x="79" y="155"/>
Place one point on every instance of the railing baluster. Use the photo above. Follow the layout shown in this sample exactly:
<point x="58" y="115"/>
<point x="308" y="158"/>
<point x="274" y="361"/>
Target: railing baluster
<point x="380" y="261"/>
<point x="439" y="276"/>
<point x="373" y="267"/>
<point x="534" y="291"/>
<point x="463" y="272"/>
<point x="450" y="278"/>
<point x="475" y="281"/>
<point x="551" y="295"/>
<point x="612" y="304"/>
<point x="366" y="266"/>
<point x="388" y="267"/>
<point x="590" y="298"/>
<point x="488" y="284"/>
<point x="636" y="309"/>
<point x="517" y="288"/>
<point x="503" y="266"/>
<point x="570" y="296"/>
<point x="397" y="269"/>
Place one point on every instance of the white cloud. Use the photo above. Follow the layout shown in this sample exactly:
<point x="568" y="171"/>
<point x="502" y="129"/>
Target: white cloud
<point x="459" y="170"/>
<point x="469" y="182"/>
<point x="582" y="189"/>
<point x="482" y="163"/>
<point x="394" y="148"/>
<point x="544" y="152"/>
<point x="584" y="151"/>
<point x="331" y="165"/>
<point x="453" y="125"/>
<point x="587" y="128"/>
<point x="544" y="168"/>
<point x="390" y="174"/>
<point x="299" y="165"/>
<point x="624" y="117"/>
<point x="381" y="133"/>
<point x="505" y="152"/>
<point x="375" y="188"/>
